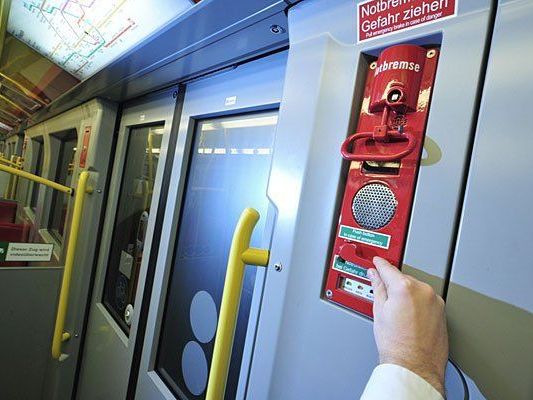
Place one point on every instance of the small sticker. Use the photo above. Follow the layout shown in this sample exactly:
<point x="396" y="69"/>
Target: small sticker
<point x="349" y="268"/>
<point x="357" y="288"/>
<point x="230" y="100"/>
<point x="25" y="251"/>
<point x="126" y="264"/>
<point x="363" y="236"/>
<point x="85" y="146"/>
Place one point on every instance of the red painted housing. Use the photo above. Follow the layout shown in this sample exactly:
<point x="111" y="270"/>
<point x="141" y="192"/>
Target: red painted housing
<point x="385" y="154"/>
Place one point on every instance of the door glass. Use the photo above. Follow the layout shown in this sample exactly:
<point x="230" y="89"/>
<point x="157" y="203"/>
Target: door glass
<point x="131" y="220"/>
<point x="228" y="172"/>
<point x="37" y="153"/>
<point x="64" y="171"/>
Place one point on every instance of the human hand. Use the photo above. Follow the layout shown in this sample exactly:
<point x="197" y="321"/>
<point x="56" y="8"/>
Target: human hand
<point x="409" y="323"/>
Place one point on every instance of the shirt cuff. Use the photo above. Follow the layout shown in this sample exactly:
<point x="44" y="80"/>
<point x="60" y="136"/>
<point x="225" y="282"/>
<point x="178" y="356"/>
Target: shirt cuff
<point x="390" y="381"/>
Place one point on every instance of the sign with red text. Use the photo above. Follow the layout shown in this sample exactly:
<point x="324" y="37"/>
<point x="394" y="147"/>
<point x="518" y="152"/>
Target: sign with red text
<point x="377" y="18"/>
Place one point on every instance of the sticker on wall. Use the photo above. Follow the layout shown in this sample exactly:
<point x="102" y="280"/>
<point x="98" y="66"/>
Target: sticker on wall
<point x="378" y="18"/>
<point x="363" y="236"/>
<point x="25" y="252"/>
<point x="230" y="100"/>
<point x="85" y="146"/>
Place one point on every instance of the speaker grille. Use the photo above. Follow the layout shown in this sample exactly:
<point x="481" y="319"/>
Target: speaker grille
<point x="374" y="206"/>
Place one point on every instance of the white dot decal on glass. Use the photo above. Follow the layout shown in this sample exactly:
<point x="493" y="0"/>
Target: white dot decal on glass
<point x="194" y="368"/>
<point x="203" y="316"/>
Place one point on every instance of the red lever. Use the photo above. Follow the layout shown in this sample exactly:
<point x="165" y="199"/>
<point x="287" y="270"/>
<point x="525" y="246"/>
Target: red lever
<point x="348" y="155"/>
<point x="350" y="252"/>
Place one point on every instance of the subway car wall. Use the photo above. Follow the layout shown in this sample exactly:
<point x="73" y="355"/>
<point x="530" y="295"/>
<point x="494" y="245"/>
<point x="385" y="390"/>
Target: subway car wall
<point x="192" y="193"/>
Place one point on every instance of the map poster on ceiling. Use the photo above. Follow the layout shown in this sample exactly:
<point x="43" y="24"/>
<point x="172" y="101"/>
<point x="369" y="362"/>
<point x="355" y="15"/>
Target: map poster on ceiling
<point x="378" y="18"/>
<point x="82" y="37"/>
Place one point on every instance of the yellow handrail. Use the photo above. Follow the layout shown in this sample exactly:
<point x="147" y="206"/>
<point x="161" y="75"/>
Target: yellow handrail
<point x="7" y="162"/>
<point x="36" y="178"/>
<point x="240" y="255"/>
<point x="59" y="335"/>
<point x="14" y="184"/>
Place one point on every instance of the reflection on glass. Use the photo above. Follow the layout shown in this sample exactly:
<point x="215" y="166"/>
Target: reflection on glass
<point x="64" y="171"/>
<point x="131" y="220"/>
<point x="228" y="171"/>
<point x="38" y="155"/>
<point x="20" y="245"/>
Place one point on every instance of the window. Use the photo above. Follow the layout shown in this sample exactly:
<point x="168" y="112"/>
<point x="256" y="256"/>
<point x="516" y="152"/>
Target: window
<point x="37" y="169"/>
<point x="131" y="220"/>
<point x="65" y="168"/>
<point x="228" y="171"/>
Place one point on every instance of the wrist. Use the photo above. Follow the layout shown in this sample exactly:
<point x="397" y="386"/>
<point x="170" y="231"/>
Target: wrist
<point x="430" y="374"/>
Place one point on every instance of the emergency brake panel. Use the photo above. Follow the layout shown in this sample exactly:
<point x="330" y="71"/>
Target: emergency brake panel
<point x="384" y="155"/>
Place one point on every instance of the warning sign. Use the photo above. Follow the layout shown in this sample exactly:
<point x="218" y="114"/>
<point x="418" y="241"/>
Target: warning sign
<point x="25" y="251"/>
<point x="376" y="18"/>
<point x="85" y="146"/>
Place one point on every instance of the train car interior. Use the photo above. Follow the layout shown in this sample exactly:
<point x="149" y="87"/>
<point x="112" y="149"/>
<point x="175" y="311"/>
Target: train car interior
<point x="266" y="199"/>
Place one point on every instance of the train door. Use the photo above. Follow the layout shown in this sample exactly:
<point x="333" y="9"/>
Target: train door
<point x="222" y="166"/>
<point x="490" y="301"/>
<point x="126" y="240"/>
<point x="45" y="284"/>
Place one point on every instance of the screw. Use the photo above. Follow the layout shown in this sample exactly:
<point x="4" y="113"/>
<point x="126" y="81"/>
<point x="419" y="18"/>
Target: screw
<point x="373" y="65"/>
<point x="278" y="267"/>
<point x="431" y="54"/>
<point x="329" y="294"/>
<point x="76" y="335"/>
<point x="175" y="95"/>
<point x="276" y="29"/>
<point x="98" y="190"/>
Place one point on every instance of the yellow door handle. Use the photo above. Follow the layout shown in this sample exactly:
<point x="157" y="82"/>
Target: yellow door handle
<point x="240" y="255"/>
<point x="59" y="335"/>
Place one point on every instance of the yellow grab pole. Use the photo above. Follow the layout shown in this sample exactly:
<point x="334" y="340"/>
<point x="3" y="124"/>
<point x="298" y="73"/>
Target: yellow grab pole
<point x="36" y="178"/>
<point x="13" y="193"/>
<point x="7" y="162"/>
<point x="240" y="255"/>
<point x="7" y="193"/>
<point x="59" y="335"/>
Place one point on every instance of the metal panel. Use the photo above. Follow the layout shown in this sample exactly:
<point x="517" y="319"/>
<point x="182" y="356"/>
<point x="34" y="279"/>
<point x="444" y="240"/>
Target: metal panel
<point x="107" y="347"/>
<point x="253" y="86"/>
<point x="305" y="347"/>
<point x="28" y="300"/>
<point x="490" y="302"/>
<point x="100" y="116"/>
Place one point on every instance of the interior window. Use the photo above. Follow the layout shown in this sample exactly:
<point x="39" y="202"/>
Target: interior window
<point x="64" y="171"/>
<point x="37" y="169"/>
<point x="131" y="220"/>
<point x="228" y="171"/>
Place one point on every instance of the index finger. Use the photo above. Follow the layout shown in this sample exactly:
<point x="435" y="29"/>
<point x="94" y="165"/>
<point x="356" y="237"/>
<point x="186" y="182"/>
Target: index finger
<point x="389" y="273"/>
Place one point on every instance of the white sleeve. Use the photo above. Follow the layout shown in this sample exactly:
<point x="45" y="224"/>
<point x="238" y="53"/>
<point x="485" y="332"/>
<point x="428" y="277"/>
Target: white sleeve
<point x="390" y="381"/>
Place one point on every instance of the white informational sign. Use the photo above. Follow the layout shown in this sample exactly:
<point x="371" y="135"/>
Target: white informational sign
<point x="29" y="252"/>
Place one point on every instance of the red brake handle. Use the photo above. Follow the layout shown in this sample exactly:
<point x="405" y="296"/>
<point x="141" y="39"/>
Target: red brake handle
<point x="348" y="155"/>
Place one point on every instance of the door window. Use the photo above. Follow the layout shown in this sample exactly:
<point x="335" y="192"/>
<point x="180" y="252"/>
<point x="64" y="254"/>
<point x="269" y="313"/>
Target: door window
<point x="64" y="171"/>
<point x="131" y="221"/>
<point x="228" y="171"/>
<point x="37" y="169"/>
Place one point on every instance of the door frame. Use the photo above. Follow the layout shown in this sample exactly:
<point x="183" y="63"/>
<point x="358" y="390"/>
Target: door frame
<point x="150" y="110"/>
<point x="255" y="86"/>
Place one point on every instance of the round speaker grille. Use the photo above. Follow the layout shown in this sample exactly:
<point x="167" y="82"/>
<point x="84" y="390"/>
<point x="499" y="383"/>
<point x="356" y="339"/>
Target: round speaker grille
<point x="374" y="206"/>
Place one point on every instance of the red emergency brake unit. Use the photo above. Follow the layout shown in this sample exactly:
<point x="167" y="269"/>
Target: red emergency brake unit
<point x="385" y="154"/>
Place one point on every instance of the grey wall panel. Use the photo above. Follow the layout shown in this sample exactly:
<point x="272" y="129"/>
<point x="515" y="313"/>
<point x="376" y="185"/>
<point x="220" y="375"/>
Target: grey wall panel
<point x="306" y="347"/>
<point x="490" y="302"/>
<point x="28" y="300"/>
